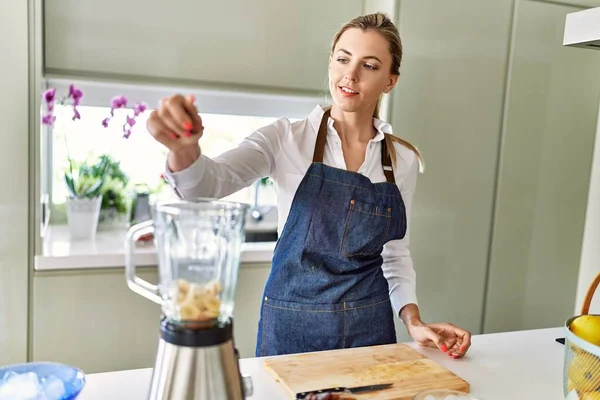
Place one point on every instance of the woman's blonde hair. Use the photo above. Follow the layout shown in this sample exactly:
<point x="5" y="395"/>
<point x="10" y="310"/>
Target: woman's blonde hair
<point x="379" y="22"/>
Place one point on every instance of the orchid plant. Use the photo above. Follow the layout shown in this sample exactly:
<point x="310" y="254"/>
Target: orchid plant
<point x="85" y="180"/>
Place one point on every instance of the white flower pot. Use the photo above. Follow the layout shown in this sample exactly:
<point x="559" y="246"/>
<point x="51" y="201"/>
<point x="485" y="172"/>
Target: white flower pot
<point x="82" y="217"/>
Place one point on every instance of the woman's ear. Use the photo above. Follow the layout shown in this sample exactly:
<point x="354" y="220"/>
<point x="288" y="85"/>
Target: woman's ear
<point x="391" y="83"/>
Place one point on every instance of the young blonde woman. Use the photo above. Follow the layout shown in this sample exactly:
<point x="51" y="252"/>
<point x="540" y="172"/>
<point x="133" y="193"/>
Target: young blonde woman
<point x="342" y="265"/>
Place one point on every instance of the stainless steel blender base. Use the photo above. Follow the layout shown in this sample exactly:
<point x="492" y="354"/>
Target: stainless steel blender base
<point x="197" y="373"/>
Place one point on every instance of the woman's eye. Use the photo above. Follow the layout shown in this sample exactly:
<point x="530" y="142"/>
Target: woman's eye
<point x="342" y="60"/>
<point x="370" y="66"/>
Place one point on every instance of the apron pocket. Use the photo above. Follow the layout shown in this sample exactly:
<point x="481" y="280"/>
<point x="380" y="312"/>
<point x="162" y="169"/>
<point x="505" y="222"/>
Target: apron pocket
<point x="366" y="229"/>
<point x="289" y="327"/>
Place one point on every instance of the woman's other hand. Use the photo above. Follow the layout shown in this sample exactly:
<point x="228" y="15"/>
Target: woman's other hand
<point x="445" y="336"/>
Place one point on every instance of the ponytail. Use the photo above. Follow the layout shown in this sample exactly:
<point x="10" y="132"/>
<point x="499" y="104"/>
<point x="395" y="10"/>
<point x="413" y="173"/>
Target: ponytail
<point x="390" y="139"/>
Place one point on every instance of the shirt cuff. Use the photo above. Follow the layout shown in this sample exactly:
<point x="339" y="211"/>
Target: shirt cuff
<point x="401" y="295"/>
<point x="186" y="178"/>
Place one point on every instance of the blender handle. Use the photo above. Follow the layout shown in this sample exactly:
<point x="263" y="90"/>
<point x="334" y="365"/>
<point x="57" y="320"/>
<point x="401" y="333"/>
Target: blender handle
<point x="134" y="282"/>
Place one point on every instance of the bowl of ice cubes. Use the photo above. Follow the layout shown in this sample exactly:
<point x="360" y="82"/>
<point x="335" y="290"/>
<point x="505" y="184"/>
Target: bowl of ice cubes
<point x="40" y="381"/>
<point x="444" y="394"/>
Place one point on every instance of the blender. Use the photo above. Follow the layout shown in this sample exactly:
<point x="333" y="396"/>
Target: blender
<point x="198" y="248"/>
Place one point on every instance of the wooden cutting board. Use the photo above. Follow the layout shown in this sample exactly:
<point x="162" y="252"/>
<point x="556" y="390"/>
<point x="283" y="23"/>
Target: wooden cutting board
<point x="409" y="371"/>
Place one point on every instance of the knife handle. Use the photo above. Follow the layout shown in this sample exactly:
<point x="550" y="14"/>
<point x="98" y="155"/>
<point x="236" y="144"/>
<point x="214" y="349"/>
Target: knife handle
<point x="306" y="395"/>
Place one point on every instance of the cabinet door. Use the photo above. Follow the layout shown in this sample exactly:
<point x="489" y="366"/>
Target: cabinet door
<point x="117" y="328"/>
<point x="14" y="213"/>
<point x="108" y="315"/>
<point x="234" y="43"/>
<point x="544" y="173"/>
<point x="448" y="102"/>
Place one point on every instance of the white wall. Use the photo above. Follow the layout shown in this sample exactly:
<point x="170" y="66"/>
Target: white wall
<point x="590" y="254"/>
<point x="14" y="117"/>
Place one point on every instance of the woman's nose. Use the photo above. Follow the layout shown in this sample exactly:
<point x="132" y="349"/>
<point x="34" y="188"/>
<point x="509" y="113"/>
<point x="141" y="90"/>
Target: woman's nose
<point x="351" y="74"/>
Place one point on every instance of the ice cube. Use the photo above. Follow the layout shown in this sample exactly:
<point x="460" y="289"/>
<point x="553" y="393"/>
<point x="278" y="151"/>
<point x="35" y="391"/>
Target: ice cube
<point x="53" y="388"/>
<point x="65" y="374"/>
<point x="7" y="376"/>
<point x="24" y="386"/>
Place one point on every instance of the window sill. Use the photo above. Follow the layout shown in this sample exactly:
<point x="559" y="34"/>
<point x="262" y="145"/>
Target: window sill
<point x="108" y="251"/>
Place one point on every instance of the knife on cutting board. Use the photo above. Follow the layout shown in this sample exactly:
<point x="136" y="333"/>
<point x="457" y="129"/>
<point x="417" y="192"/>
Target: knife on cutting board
<point x="352" y="390"/>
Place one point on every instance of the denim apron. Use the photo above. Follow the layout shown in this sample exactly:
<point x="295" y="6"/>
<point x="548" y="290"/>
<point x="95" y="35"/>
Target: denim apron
<point x="326" y="289"/>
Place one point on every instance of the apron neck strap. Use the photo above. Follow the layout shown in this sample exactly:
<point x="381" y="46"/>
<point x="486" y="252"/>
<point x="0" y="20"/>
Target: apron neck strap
<point x="321" y="139"/>
<point x="386" y="160"/>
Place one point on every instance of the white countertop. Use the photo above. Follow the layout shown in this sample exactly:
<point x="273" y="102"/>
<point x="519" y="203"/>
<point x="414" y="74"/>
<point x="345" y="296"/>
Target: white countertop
<point x="524" y="365"/>
<point x="107" y="250"/>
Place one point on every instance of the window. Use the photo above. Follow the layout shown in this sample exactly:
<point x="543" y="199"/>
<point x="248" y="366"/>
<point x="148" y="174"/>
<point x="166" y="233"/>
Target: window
<point x="228" y="118"/>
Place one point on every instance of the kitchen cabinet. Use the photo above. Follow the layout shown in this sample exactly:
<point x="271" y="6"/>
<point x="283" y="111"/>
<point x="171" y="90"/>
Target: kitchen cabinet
<point x="273" y="45"/>
<point x="91" y="319"/>
<point x="448" y="102"/>
<point x="505" y="118"/>
<point x="543" y="176"/>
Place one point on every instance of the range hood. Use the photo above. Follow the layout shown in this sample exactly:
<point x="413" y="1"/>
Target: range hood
<point x="582" y="29"/>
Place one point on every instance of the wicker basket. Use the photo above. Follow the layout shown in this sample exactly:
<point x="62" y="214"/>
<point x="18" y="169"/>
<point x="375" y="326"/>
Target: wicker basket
<point x="581" y="376"/>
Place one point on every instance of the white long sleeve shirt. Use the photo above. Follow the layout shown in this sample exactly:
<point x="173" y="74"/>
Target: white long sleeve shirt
<point x="284" y="151"/>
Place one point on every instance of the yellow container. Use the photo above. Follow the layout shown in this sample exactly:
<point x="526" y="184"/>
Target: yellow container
<point x="581" y="373"/>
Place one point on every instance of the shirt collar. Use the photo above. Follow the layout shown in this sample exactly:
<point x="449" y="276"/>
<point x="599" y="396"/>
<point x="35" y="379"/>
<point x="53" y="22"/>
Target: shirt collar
<point x="314" y="119"/>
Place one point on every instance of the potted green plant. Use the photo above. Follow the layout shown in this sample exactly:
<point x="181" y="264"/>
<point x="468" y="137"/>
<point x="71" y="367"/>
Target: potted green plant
<point x="116" y="196"/>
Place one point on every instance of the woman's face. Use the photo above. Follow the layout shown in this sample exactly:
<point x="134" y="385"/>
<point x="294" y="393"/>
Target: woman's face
<point x="359" y="70"/>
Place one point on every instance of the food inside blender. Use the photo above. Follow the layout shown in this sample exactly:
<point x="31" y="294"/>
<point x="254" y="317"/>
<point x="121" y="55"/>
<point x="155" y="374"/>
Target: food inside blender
<point x="198" y="302"/>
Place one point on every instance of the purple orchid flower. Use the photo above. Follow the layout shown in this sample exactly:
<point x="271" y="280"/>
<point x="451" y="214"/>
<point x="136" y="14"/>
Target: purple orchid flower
<point x="48" y="119"/>
<point x="49" y="96"/>
<point x="76" y="94"/>
<point x="130" y="121"/>
<point x="139" y="108"/>
<point x="117" y="102"/>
